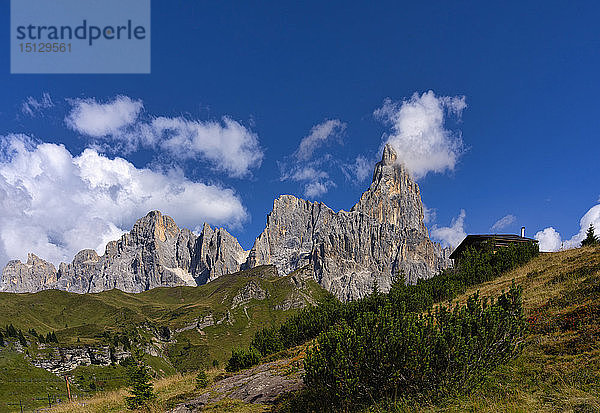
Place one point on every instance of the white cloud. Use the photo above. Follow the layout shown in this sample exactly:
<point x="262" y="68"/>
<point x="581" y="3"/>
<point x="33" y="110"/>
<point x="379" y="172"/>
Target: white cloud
<point x="301" y="167"/>
<point x="452" y="235"/>
<point x="227" y="145"/>
<point x="54" y="204"/>
<point x="319" y="134"/>
<point x="552" y="239"/>
<point x="419" y="134"/>
<point x="549" y="239"/>
<point x="503" y="222"/>
<point x="315" y="189"/>
<point x="362" y="168"/>
<point x="32" y="106"/>
<point x="91" y="118"/>
<point x="315" y="180"/>
<point x="429" y="214"/>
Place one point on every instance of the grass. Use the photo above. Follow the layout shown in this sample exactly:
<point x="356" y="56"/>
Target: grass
<point x="22" y="383"/>
<point x="169" y="390"/>
<point x="96" y="319"/>
<point x="559" y="368"/>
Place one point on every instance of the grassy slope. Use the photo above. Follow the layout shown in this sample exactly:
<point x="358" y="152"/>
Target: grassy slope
<point x="559" y="369"/>
<point x="81" y="319"/>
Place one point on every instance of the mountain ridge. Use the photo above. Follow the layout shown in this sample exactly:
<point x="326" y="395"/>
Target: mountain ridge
<point x="347" y="252"/>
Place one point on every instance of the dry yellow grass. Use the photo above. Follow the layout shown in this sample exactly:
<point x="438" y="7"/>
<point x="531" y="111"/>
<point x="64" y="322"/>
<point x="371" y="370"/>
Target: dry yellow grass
<point x="559" y="370"/>
<point x="114" y="401"/>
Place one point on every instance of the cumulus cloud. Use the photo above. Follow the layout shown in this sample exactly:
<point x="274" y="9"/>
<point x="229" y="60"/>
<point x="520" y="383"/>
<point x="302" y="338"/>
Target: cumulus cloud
<point x="304" y="168"/>
<point x="227" y="145"/>
<point x="504" y="222"/>
<point x="453" y="235"/>
<point x="91" y="118"/>
<point x="419" y="134"/>
<point x="319" y="134"/>
<point x="551" y="240"/>
<point x="53" y="203"/>
<point x="32" y="106"/>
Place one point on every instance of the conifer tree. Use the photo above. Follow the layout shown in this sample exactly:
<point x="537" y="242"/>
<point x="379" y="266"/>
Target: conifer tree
<point x="140" y="382"/>
<point x="591" y="238"/>
<point x="22" y="338"/>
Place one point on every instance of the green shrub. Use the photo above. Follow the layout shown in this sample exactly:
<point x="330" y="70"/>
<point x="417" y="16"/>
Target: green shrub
<point x="267" y="341"/>
<point x="201" y="380"/>
<point x="395" y="353"/>
<point x="242" y="359"/>
<point x="476" y="266"/>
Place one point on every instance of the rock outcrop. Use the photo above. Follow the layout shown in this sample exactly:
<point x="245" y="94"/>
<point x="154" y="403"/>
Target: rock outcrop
<point x="346" y="252"/>
<point x="33" y="275"/>
<point x="381" y="236"/>
<point x="60" y="360"/>
<point x="155" y="253"/>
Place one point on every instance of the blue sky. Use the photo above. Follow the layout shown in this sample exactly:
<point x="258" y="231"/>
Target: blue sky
<point x="495" y="107"/>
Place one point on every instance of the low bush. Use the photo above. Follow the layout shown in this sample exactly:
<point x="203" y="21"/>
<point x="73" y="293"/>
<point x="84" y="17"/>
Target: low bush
<point x="242" y="359"/>
<point x="394" y="353"/>
<point x="201" y="380"/>
<point x="476" y="266"/>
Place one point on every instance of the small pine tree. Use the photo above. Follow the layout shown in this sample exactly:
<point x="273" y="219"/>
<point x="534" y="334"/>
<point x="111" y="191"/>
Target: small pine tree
<point x="591" y="238"/>
<point x="139" y="378"/>
<point x="22" y="338"/>
<point x="201" y="380"/>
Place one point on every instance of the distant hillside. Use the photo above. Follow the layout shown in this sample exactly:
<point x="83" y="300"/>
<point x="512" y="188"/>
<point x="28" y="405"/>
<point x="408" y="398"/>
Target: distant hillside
<point x="180" y="328"/>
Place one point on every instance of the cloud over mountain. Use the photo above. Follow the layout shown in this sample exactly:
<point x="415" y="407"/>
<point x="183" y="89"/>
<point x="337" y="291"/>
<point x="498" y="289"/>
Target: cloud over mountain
<point x="453" y="235"/>
<point x="307" y="168"/>
<point x="419" y="134"/>
<point x="55" y="203"/>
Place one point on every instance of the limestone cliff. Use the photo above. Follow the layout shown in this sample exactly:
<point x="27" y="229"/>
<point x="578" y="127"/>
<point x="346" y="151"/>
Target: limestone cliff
<point x="155" y="253"/>
<point x="382" y="235"/>
<point x="346" y="251"/>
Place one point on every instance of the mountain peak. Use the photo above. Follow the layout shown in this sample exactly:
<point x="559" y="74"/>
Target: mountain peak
<point x="389" y="155"/>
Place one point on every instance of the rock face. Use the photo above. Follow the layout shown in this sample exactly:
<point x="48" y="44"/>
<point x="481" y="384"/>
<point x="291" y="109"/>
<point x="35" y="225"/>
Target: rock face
<point x="263" y="384"/>
<point x="34" y="275"/>
<point x="382" y="235"/>
<point x="60" y="360"/>
<point x="156" y="253"/>
<point x="346" y="251"/>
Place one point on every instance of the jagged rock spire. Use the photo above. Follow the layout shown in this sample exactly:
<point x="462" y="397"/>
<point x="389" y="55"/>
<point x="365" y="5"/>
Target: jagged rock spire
<point x="345" y="251"/>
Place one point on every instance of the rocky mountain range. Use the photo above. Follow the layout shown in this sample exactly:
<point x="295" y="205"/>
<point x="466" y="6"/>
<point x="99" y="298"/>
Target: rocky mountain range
<point x="347" y="251"/>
